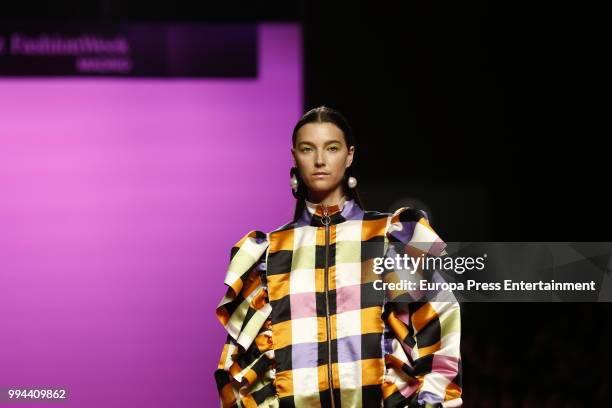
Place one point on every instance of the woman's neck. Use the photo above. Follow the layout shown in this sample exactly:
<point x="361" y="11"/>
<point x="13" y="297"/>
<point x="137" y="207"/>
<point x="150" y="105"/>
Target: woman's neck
<point x="332" y="198"/>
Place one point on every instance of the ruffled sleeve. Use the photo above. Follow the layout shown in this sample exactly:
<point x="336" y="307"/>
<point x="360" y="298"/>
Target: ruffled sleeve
<point x="244" y="375"/>
<point x="422" y="329"/>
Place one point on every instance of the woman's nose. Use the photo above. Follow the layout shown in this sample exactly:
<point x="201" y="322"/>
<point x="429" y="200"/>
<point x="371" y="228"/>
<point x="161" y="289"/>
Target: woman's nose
<point x="320" y="159"/>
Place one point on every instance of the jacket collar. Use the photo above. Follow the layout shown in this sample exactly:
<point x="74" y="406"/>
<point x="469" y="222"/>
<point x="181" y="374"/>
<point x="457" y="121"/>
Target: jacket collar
<point x="318" y="209"/>
<point x="346" y="209"/>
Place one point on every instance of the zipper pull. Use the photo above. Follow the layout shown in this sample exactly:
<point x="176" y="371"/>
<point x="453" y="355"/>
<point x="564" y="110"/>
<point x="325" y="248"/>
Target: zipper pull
<point x="325" y="219"/>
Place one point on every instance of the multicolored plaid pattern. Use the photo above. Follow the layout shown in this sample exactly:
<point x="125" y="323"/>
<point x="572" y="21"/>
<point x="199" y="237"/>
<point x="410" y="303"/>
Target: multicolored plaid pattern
<point x="386" y="348"/>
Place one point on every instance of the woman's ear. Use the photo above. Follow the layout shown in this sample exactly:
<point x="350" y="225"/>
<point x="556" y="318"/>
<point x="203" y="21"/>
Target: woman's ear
<point x="293" y="157"/>
<point x="349" y="157"/>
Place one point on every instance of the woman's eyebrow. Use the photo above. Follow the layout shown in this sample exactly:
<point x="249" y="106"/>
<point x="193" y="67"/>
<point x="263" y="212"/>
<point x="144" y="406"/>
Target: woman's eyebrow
<point x="326" y="143"/>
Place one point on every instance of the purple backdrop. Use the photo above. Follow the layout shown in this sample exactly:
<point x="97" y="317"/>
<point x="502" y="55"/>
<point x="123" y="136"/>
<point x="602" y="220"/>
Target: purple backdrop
<point x="119" y="202"/>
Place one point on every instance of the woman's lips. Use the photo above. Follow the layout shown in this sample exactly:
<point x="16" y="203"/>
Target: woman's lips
<point x="320" y="175"/>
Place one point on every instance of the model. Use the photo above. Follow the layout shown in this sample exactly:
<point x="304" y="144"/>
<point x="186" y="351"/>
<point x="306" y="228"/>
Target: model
<point x="307" y="325"/>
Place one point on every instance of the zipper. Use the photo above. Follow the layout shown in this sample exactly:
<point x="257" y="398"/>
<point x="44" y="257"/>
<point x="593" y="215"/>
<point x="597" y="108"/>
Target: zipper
<point x="330" y="379"/>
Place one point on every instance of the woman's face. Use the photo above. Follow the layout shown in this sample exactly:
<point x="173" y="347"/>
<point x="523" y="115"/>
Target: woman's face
<point x="321" y="156"/>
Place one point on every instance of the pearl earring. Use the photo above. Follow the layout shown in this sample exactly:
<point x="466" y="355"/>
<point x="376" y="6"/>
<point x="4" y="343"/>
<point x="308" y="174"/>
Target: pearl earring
<point x="352" y="182"/>
<point x="294" y="183"/>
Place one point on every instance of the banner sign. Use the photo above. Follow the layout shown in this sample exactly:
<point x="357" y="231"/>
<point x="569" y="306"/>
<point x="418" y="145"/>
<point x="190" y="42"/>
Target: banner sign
<point x="220" y="50"/>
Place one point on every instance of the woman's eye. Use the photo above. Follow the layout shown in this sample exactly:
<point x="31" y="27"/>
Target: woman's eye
<point x="334" y="148"/>
<point x="306" y="149"/>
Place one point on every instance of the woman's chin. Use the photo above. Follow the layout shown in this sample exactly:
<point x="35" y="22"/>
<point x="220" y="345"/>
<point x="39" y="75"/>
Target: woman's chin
<point x="320" y="188"/>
